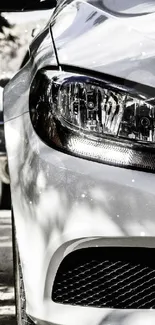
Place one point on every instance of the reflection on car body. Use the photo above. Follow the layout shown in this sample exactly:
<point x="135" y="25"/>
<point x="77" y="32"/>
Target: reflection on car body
<point x="79" y="128"/>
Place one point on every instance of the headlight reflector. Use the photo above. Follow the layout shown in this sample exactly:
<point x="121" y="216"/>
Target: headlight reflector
<point x="105" y="111"/>
<point x="96" y="119"/>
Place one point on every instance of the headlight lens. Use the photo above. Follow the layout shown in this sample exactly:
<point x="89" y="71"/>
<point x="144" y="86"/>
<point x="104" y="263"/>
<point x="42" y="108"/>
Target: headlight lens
<point x="96" y="119"/>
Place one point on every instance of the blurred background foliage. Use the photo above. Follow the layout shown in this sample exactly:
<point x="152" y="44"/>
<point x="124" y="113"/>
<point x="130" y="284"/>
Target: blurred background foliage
<point x="16" y="33"/>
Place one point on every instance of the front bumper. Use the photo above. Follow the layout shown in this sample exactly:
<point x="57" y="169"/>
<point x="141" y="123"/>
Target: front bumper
<point x="63" y="314"/>
<point x="106" y="317"/>
<point x="59" y="198"/>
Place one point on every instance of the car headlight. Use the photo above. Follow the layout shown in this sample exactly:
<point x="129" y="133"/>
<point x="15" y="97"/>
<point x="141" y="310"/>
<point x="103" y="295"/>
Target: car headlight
<point x="97" y="119"/>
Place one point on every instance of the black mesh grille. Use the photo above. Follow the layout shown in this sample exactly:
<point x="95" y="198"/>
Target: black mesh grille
<point x="107" y="277"/>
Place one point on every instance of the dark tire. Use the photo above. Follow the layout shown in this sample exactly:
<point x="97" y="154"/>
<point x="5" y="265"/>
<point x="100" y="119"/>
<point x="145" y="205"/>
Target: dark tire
<point x="5" y="194"/>
<point x="4" y="171"/>
<point x="5" y="200"/>
<point x="20" y="301"/>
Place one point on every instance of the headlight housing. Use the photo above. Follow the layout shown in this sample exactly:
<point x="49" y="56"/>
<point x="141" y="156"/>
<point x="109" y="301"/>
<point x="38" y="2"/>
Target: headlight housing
<point x="97" y="119"/>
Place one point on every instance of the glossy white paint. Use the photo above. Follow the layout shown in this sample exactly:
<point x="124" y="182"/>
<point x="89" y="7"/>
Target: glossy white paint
<point x="132" y="7"/>
<point x="58" y="198"/>
<point x="97" y="40"/>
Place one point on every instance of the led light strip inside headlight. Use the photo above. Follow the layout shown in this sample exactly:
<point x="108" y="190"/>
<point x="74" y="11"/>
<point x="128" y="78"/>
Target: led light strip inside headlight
<point x="95" y="119"/>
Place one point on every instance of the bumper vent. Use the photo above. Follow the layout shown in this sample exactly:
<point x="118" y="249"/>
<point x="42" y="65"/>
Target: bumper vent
<point x="107" y="277"/>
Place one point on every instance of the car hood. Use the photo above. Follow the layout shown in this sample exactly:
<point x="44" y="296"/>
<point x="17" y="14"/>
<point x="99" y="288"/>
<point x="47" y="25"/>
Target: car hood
<point x="103" y="37"/>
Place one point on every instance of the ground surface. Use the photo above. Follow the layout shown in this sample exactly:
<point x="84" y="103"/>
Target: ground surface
<point x="7" y="309"/>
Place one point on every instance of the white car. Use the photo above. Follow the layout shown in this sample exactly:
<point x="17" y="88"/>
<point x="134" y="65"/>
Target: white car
<point x="80" y="138"/>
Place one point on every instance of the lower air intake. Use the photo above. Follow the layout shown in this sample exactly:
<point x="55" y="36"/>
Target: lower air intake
<point x="112" y="277"/>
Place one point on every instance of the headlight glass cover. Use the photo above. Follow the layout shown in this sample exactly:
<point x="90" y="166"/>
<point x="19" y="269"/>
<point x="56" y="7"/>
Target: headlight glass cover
<point x="107" y="121"/>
